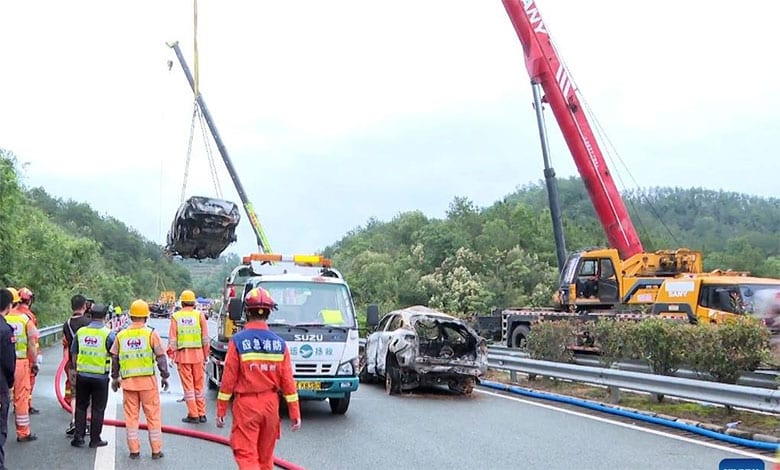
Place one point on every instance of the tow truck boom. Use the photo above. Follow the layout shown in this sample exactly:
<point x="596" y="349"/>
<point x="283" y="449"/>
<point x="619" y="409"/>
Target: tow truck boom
<point x="262" y="241"/>
<point x="548" y="71"/>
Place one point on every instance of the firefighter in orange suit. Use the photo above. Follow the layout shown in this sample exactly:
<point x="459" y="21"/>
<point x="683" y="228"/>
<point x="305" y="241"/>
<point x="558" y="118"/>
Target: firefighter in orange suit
<point x="188" y="342"/>
<point x="134" y="353"/>
<point x="27" y="297"/>
<point x="26" y="337"/>
<point x="257" y="368"/>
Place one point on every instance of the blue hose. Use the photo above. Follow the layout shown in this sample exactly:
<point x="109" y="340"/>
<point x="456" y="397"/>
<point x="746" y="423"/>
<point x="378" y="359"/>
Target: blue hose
<point x="630" y="414"/>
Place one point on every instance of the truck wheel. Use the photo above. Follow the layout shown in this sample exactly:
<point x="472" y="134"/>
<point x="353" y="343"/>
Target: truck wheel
<point x="392" y="377"/>
<point x="339" y="406"/>
<point x="519" y="336"/>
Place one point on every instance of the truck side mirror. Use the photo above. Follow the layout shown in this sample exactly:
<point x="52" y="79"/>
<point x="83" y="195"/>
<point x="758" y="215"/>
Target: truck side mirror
<point x="372" y="315"/>
<point x="236" y="309"/>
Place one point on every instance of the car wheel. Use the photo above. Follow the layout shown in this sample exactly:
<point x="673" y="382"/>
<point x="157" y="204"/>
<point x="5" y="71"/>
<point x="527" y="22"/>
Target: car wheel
<point x="339" y="406"/>
<point x="392" y="378"/>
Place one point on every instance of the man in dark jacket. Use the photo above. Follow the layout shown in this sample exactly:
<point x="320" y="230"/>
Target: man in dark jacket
<point x="7" y="368"/>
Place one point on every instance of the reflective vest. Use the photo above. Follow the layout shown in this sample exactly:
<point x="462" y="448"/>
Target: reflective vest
<point x="188" y="334"/>
<point x="19" y="323"/>
<point x="93" y="357"/>
<point x="136" y="356"/>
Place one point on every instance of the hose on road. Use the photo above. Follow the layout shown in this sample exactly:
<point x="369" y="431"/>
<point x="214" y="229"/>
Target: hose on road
<point x="166" y="429"/>
<point x="629" y="414"/>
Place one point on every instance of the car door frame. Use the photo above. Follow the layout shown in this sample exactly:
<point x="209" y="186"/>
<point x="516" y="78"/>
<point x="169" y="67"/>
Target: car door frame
<point x="374" y="344"/>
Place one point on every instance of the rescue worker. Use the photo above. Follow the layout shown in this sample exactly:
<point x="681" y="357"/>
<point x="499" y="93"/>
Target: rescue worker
<point x="27" y="297"/>
<point x="26" y="338"/>
<point x="7" y="368"/>
<point x="79" y="319"/>
<point x="90" y="354"/>
<point x="257" y="368"/>
<point x="188" y="344"/>
<point x="133" y="354"/>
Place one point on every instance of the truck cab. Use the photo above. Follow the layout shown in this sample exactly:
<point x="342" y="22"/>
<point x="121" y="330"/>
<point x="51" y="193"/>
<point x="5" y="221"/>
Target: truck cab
<point x="598" y="278"/>
<point x="316" y="318"/>
<point x="715" y="297"/>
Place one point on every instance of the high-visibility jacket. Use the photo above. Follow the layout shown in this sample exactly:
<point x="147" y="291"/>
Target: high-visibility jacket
<point x="19" y="323"/>
<point x="136" y="356"/>
<point x="188" y="333"/>
<point x="93" y="357"/>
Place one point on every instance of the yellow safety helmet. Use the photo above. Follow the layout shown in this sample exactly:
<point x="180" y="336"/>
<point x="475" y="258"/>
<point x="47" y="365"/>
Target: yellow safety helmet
<point x="15" y="293"/>
<point x="187" y="296"/>
<point x="139" y="308"/>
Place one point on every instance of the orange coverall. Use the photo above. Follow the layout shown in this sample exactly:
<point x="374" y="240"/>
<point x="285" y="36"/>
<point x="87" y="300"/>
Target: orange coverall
<point x="25" y="309"/>
<point x="140" y="392"/>
<point x="257" y="367"/>
<point x="189" y="363"/>
<point x="22" y="375"/>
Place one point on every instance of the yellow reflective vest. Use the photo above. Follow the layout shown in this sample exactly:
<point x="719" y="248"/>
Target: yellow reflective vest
<point x="18" y="322"/>
<point x="136" y="356"/>
<point x="93" y="356"/>
<point x="188" y="333"/>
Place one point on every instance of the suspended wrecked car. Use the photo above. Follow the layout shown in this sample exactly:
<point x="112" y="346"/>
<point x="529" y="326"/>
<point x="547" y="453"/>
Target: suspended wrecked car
<point x="203" y="228"/>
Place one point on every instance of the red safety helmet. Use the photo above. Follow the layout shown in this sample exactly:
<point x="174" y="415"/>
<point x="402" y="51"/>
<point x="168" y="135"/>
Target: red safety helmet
<point x="259" y="298"/>
<point x="26" y="294"/>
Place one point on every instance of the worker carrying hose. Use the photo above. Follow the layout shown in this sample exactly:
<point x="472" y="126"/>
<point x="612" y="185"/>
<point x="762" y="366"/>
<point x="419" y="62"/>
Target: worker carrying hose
<point x="134" y="354"/>
<point x="257" y="367"/>
<point x="26" y="337"/>
<point x="188" y="344"/>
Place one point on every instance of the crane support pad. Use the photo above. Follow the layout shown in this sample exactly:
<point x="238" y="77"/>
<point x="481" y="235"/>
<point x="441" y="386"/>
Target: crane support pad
<point x="203" y="228"/>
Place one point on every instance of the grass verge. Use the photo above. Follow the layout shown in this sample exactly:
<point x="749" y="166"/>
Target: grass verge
<point x="712" y="414"/>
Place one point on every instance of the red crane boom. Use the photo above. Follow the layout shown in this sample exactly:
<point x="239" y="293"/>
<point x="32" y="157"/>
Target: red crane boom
<point x="546" y="69"/>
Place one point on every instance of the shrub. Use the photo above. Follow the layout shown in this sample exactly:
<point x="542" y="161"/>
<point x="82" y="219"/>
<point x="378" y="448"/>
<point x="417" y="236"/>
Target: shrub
<point x="726" y="350"/>
<point x="613" y="338"/>
<point x="662" y="343"/>
<point x="550" y="341"/>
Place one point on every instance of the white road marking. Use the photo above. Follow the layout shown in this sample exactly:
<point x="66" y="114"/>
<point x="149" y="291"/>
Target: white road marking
<point x="631" y="426"/>
<point x="105" y="457"/>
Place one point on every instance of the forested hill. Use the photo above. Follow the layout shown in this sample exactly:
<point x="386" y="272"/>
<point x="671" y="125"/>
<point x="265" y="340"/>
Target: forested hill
<point x="479" y="258"/>
<point x="58" y="248"/>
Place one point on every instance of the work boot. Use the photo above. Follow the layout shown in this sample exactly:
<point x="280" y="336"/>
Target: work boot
<point x="77" y="442"/>
<point x="202" y="419"/>
<point x="71" y="429"/>
<point x="135" y="455"/>
<point x="100" y="443"/>
<point x="34" y="411"/>
<point x="157" y="455"/>
<point x="189" y="419"/>
<point x="29" y="438"/>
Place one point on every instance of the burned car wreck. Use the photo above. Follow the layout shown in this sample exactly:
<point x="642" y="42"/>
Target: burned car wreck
<point x="203" y="228"/>
<point x="418" y="346"/>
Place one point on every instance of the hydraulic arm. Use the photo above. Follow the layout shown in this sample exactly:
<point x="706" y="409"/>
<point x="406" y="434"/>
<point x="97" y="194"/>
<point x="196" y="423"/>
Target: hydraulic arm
<point x="548" y="71"/>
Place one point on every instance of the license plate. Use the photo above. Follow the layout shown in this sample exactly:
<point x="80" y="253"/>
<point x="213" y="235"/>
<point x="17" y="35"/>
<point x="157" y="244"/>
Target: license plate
<point x="307" y="385"/>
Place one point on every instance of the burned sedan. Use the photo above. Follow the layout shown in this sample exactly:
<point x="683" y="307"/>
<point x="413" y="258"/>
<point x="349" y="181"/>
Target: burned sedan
<point x="203" y="228"/>
<point x="418" y="346"/>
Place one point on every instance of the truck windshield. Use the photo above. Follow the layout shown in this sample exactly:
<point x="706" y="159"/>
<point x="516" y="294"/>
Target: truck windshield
<point x="311" y="303"/>
<point x="755" y="297"/>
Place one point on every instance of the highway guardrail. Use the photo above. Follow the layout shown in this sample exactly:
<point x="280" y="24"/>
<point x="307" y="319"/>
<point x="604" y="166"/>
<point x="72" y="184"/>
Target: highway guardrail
<point x="752" y="398"/>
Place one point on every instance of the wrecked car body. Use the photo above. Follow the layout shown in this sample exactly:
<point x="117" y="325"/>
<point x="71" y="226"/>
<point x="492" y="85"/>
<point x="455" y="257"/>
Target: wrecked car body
<point x="203" y="228"/>
<point x="419" y="346"/>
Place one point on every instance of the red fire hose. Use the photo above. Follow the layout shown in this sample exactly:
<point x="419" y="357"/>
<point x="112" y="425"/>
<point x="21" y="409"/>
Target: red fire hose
<point x="166" y="429"/>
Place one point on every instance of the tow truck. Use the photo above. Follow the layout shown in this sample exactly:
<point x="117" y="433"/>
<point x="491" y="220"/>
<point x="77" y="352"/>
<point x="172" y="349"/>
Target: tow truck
<point x="316" y="317"/>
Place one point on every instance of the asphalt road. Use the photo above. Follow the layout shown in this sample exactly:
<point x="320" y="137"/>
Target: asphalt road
<point x="432" y="429"/>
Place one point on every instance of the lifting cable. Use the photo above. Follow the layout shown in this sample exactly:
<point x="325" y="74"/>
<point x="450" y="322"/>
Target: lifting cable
<point x="599" y="131"/>
<point x="197" y="114"/>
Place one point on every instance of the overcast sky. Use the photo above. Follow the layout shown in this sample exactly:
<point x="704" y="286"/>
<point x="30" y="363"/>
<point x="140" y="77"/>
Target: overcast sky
<point x="335" y="112"/>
